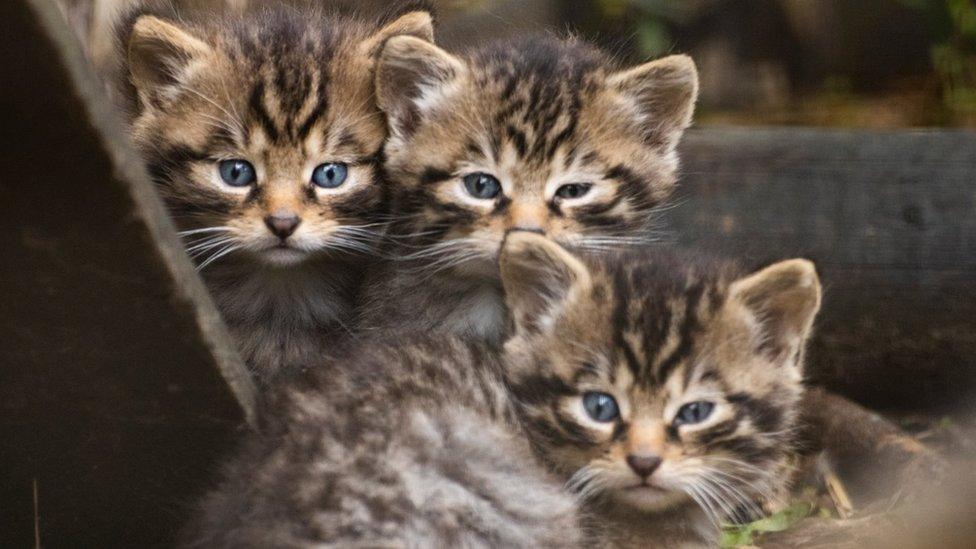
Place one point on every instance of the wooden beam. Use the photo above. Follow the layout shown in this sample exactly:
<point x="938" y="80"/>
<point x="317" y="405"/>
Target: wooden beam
<point x="889" y="218"/>
<point x="118" y="386"/>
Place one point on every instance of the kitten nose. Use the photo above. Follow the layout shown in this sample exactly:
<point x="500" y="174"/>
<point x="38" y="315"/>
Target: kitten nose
<point x="282" y="225"/>
<point x="643" y="465"/>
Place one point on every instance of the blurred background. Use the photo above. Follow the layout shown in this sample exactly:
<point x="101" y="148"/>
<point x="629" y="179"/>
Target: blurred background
<point x="836" y="63"/>
<point x="826" y="63"/>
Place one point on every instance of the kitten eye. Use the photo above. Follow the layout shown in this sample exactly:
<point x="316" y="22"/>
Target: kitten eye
<point x="330" y="175"/>
<point x="573" y="190"/>
<point x="694" y="412"/>
<point x="237" y="173"/>
<point x="482" y="185"/>
<point x="601" y="407"/>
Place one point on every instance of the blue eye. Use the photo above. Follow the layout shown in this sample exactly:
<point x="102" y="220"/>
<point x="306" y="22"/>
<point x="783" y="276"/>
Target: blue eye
<point x="573" y="190"/>
<point x="237" y="173"/>
<point x="330" y="176"/>
<point x="694" y="412"/>
<point x="482" y="185"/>
<point x="600" y="406"/>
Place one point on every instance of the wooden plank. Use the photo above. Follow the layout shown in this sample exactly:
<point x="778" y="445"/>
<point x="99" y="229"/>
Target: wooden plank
<point x="115" y="372"/>
<point x="890" y="219"/>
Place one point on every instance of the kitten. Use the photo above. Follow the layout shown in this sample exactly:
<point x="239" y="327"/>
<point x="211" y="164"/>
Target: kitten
<point x="264" y="137"/>
<point x="542" y="134"/>
<point x="664" y="390"/>
<point x="401" y="445"/>
<point x="419" y="442"/>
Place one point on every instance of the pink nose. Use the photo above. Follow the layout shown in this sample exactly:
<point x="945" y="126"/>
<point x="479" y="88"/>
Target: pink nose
<point x="643" y="465"/>
<point x="282" y="226"/>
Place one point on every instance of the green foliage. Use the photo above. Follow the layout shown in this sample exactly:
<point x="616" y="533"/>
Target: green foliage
<point x="737" y="535"/>
<point x="955" y="58"/>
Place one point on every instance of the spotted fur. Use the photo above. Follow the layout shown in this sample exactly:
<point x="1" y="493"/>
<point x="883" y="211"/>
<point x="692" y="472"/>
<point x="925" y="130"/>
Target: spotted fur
<point x="657" y="331"/>
<point x="406" y="445"/>
<point x="285" y="89"/>
<point x="536" y="114"/>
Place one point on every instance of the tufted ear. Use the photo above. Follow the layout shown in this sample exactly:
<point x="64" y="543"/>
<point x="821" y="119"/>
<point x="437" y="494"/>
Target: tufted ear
<point x="540" y="279"/>
<point x="160" y="54"/>
<point x="419" y="24"/>
<point x="783" y="300"/>
<point x="663" y="93"/>
<point x="412" y="75"/>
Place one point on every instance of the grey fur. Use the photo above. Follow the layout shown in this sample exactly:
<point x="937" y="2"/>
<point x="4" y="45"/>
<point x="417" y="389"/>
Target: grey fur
<point x="400" y="447"/>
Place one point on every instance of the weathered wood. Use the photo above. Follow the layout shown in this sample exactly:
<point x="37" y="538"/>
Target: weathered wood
<point x="112" y="400"/>
<point x="889" y="218"/>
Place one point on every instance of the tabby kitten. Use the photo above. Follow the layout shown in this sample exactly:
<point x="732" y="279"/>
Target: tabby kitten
<point x="264" y="137"/>
<point x="543" y="135"/>
<point x="403" y="444"/>
<point x="665" y="391"/>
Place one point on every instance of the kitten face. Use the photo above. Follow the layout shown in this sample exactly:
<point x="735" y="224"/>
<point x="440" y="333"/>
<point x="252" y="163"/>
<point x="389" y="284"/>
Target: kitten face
<point x="653" y="382"/>
<point x="263" y="131"/>
<point x="542" y="135"/>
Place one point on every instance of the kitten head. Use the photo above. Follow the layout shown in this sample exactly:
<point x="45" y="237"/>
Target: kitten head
<point x="542" y="134"/>
<point x="652" y="381"/>
<point x="262" y="130"/>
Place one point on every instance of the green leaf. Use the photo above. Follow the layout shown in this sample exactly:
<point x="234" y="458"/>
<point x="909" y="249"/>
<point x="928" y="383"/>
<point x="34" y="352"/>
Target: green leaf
<point x="736" y="535"/>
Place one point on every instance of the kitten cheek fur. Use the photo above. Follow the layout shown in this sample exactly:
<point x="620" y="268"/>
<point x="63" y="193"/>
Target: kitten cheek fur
<point x="657" y="332"/>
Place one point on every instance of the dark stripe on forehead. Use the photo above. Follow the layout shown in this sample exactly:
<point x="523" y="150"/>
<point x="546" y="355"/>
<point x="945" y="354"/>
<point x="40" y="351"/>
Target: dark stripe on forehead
<point x="689" y="327"/>
<point x="261" y="113"/>
<point x="621" y="322"/>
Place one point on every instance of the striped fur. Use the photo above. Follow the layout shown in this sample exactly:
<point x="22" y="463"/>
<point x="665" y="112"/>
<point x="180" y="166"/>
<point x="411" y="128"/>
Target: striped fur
<point x="285" y="89"/>
<point x="657" y="331"/>
<point x="399" y="445"/>
<point x="536" y="114"/>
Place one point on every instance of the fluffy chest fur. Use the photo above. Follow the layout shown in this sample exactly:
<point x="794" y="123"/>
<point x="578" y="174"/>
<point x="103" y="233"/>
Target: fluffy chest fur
<point x="284" y="319"/>
<point x="406" y="445"/>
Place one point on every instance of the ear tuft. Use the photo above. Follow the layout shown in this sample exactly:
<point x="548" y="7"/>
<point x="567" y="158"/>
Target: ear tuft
<point x="419" y="24"/>
<point x="411" y="74"/>
<point x="540" y="278"/>
<point x="784" y="298"/>
<point x="159" y="52"/>
<point x="664" y="93"/>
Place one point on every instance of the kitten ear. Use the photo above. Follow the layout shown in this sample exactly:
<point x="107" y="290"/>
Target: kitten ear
<point x="159" y="54"/>
<point x="419" y="24"/>
<point x="539" y="278"/>
<point x="783" y="299"/>
<point x="664" y="93"/>
<point x="411" y="76"/>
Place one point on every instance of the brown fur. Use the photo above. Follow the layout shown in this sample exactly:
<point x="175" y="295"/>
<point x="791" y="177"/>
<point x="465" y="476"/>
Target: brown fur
<point x="536" y="114"/>
<point x="285" y="90"/>
<point x="658" y="331"/>
<point x="396" y="443"/>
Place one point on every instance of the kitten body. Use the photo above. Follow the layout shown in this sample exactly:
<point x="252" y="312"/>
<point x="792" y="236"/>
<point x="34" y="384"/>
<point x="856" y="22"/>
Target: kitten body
<point x="541" y="134"/>
<point x="405" y="446"/>
<point x="416" y="442"/>
<point x="664" y="388"/>
<point x="262" y="133"/>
